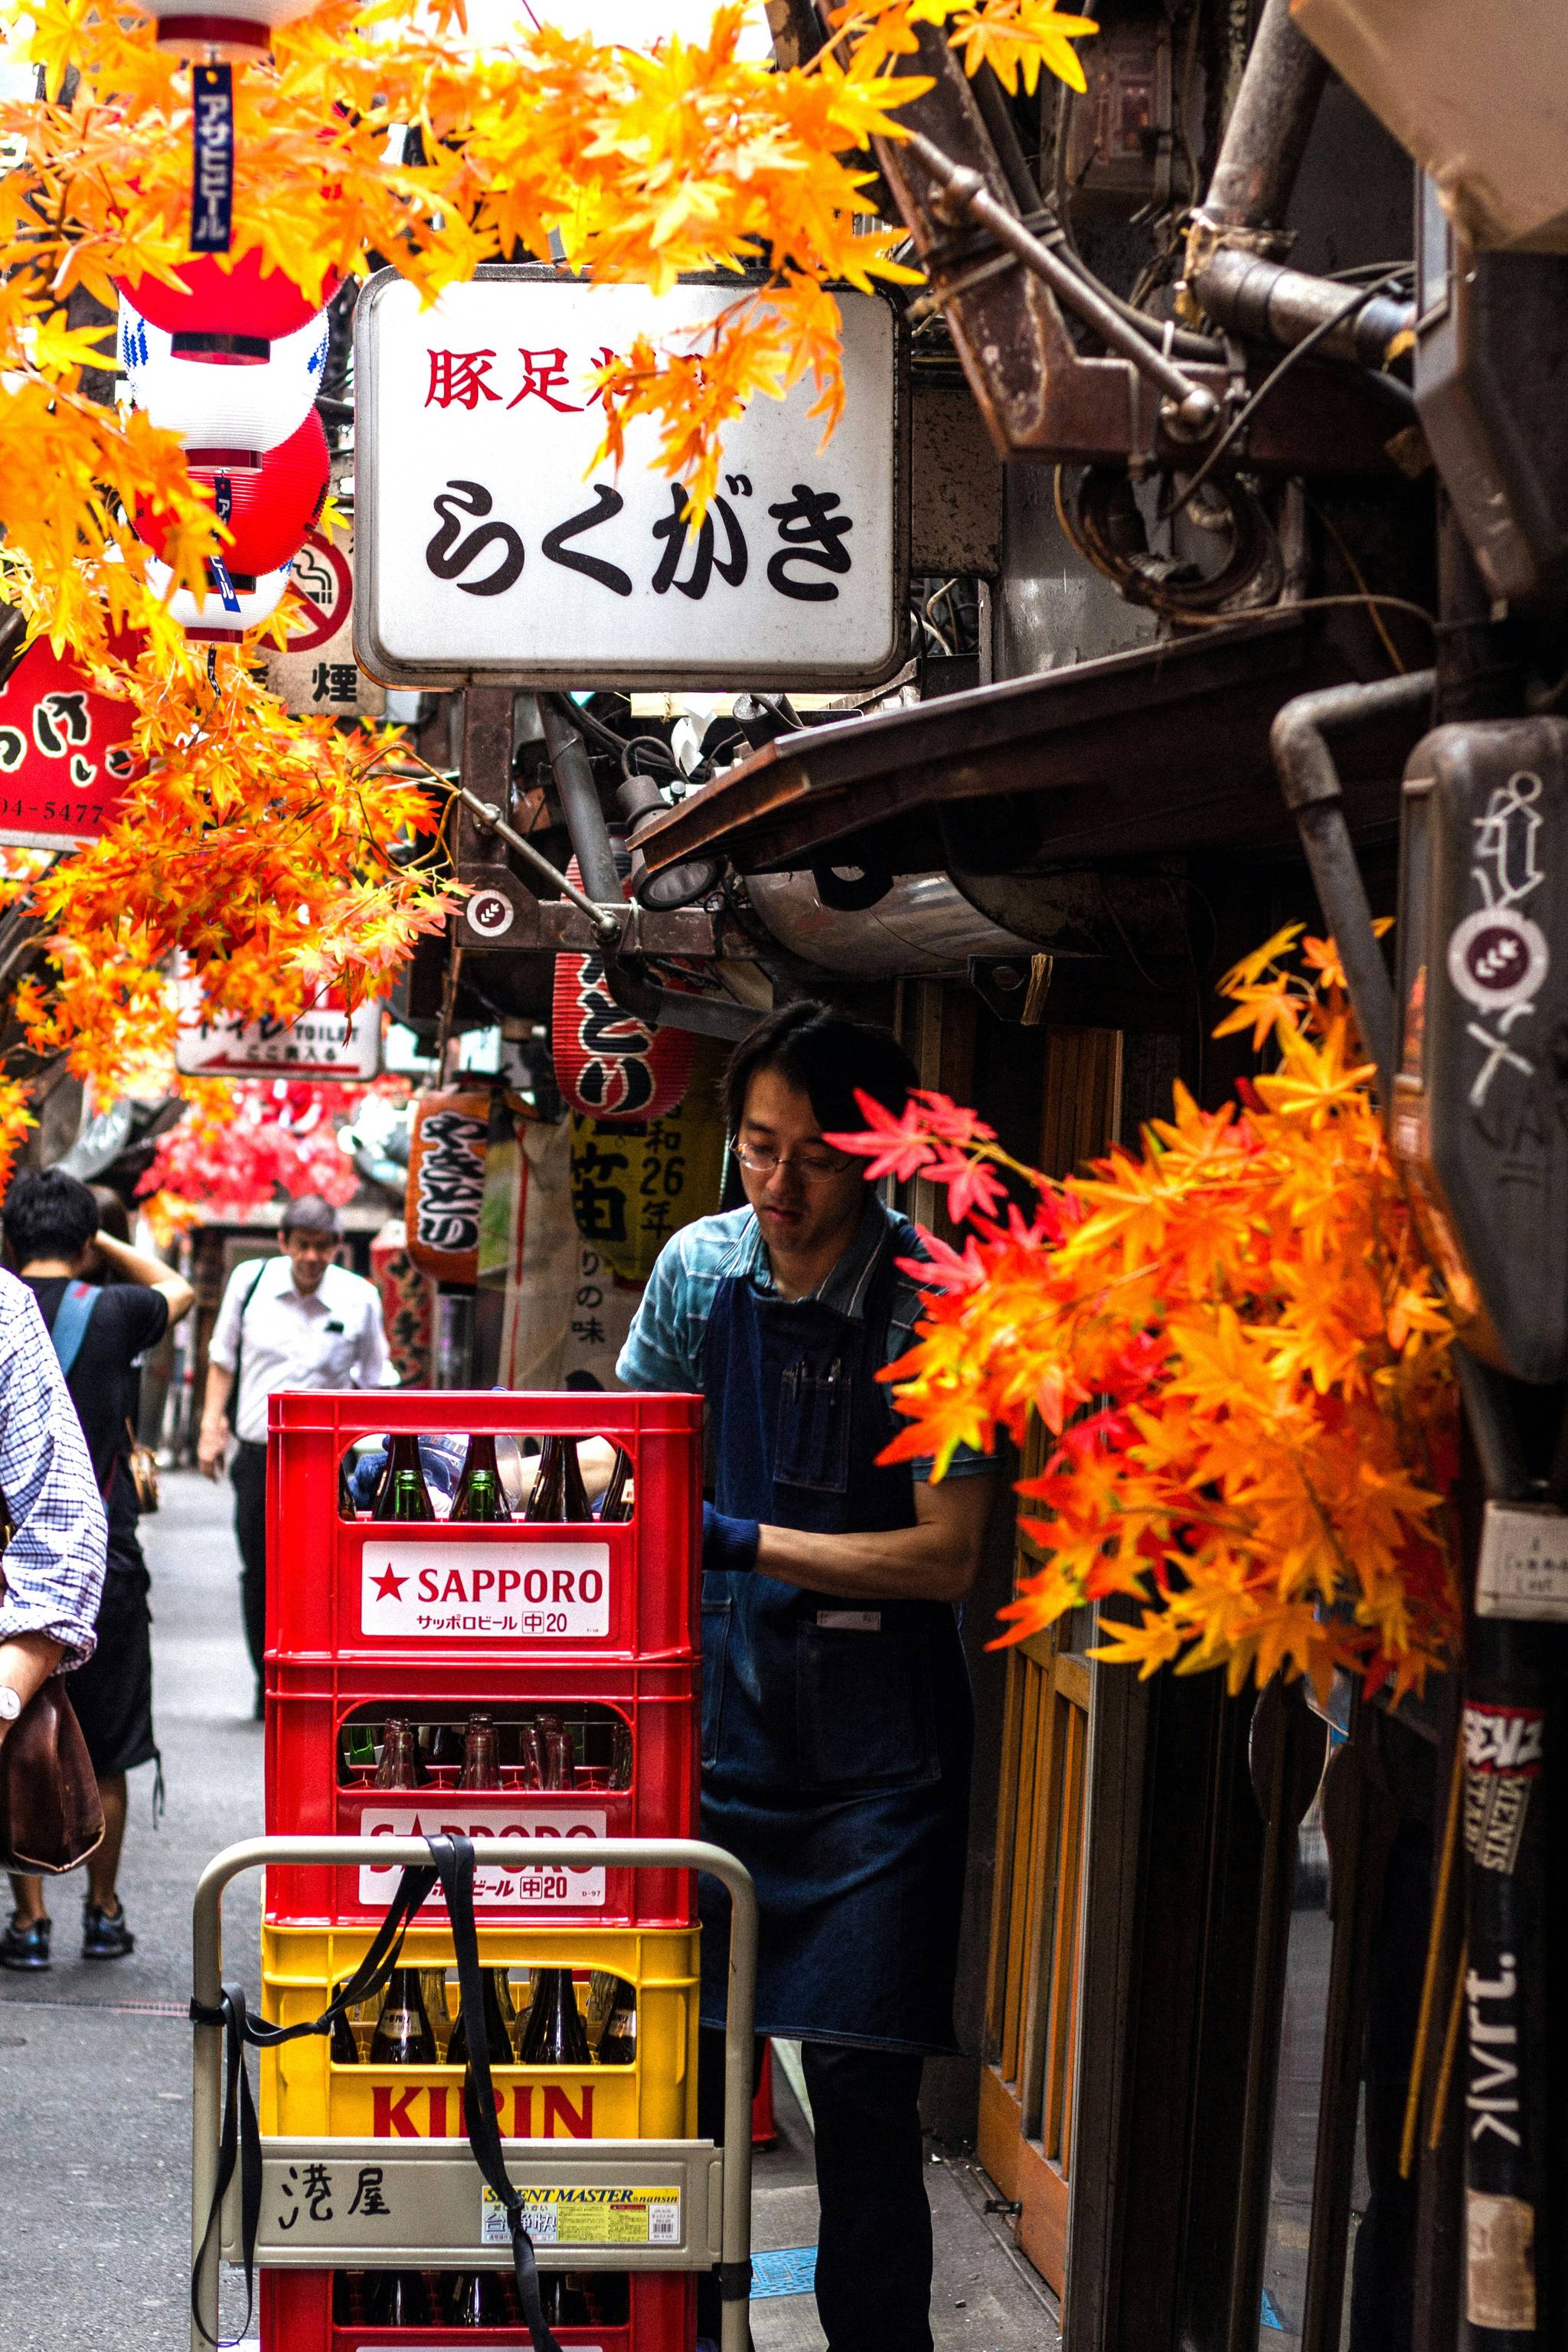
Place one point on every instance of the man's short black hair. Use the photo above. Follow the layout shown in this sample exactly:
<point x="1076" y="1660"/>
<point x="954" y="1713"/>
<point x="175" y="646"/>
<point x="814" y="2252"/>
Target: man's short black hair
<point x="48" y="1214"/>
<point x="828" y="1057"/>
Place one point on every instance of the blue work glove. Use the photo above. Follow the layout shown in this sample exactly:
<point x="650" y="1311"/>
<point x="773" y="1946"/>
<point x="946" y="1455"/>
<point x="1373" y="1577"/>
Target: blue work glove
<point x="729" y="1545"/>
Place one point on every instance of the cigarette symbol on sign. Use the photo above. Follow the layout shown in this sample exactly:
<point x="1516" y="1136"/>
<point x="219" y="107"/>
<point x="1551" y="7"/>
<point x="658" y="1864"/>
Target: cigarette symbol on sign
<point x="490" y="913"/>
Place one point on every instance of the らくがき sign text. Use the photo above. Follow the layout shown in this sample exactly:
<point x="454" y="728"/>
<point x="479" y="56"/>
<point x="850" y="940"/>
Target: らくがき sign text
<point x="493" y="543"/>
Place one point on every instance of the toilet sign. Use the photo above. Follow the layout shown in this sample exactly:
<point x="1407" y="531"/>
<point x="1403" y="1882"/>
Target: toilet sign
<point x="494" y="543"/>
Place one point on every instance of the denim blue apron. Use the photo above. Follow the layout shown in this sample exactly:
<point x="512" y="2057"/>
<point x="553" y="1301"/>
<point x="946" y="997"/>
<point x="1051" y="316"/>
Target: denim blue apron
<point x="835" y="1733"/>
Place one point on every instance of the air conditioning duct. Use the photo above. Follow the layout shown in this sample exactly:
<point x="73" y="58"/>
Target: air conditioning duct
<point x="916" y="926"/>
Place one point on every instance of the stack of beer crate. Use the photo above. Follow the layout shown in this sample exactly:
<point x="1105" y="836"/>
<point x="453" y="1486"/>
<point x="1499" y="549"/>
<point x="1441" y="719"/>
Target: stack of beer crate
<point x="527" y="1679"/>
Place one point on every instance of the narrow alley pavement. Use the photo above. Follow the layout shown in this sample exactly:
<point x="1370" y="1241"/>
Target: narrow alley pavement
<point x="95" y="2056"/>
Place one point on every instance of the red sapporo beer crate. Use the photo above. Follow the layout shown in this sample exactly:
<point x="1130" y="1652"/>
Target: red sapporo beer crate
<point x="306" y="2311"/>
<point x="310" y="1706"/>
<point x="372" y="1590"/>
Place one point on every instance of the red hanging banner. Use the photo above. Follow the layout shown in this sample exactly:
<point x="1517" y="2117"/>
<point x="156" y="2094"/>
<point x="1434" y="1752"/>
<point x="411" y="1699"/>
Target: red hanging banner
<point x="447" y="1184"/>
<point x="65" y="754"/>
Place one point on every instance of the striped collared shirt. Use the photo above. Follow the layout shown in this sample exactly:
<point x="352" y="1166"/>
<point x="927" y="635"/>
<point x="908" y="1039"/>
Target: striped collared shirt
<point x="664" y="1346"/>
<point x="54" y="1563"/>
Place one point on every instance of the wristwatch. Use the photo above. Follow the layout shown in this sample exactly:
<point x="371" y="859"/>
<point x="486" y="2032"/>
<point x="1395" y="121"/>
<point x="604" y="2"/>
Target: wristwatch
<point x="10" y="1703"/>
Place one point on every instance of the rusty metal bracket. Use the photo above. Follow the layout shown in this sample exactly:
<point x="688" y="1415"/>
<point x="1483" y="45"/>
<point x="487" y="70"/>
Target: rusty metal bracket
<point x="1191" y="410"/>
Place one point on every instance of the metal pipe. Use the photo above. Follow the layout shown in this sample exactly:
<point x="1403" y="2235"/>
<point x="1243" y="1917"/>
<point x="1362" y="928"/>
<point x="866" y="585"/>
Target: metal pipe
<point x="605" y="920"/>
<point x="609" y="1853"/>
<point x="921" y="925"/>
<point x="1193" y="409"/>
<point x="1269" y="126"/>
<point x="1240" y="290"/>
<point x="1310" y="783"/>
<point x="580" y="804"/>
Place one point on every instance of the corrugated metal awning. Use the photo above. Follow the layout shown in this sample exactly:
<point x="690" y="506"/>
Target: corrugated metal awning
<point x="1157" y="750"/>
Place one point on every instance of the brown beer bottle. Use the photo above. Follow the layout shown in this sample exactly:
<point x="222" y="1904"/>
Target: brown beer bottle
<point x="478" y="1495"/>
<point x="401" y="2300"/>
<point x="481" y="1754"/>
<point x="554" y="2034"/>
<point x="618" y="1502"/>
<point x="479" y="2300"/>
<point x="404" y="2034"/>
<point x="345" y="2049"/>
<point x="564" y="2303"/>
<point x="558" y="1489"/>
<point x="496" y="2032"/>
<point x="402" y="1494"/>
<point x="399" y="1767"/>
<point x="531" y="1754"/>
<point x="621" y="1754"/>
<point x="618" y="2042"/>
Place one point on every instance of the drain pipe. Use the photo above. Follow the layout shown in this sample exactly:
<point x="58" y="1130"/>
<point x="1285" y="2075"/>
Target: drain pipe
<point x="1310" y="783"/>
<point x="579" y="797"/>
<point x="1260" y="155"/>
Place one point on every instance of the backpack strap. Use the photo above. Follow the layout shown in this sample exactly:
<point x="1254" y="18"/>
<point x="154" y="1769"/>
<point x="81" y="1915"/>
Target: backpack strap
<point x="72" y="1317"/>
<point x="239" y="1341"/>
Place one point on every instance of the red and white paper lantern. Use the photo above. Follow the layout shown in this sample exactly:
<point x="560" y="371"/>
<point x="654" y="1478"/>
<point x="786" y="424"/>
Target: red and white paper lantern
<point x="608" y="1063"/>
<point x="225" y="28"/>
<point x="227" y="417"/>
<point x="271" y="509"/>
<point x="215" y="618"/>
<point x="229" y="318"/>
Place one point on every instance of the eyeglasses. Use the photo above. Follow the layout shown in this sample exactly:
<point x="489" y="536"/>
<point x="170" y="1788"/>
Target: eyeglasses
<point x="811" y="1168"/>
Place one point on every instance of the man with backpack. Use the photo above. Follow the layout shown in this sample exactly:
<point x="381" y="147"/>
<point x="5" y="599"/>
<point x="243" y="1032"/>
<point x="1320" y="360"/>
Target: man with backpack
<point x="51" y="1223"/>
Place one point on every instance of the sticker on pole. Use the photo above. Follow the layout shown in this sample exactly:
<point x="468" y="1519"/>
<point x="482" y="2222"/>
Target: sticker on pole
<point x="1524" y="1569"/>
<point x="588" y="2217"/>
<point x="540" y="1875"/>
<point x="545" y="1591"/>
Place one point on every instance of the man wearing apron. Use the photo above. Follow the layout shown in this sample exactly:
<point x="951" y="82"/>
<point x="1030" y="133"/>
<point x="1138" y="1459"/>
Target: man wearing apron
<point x="837" y="1724"/>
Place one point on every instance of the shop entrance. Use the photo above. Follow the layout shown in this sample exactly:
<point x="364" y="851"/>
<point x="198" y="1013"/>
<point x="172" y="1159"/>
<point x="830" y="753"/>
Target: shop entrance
<point x="1028" y="2086"/>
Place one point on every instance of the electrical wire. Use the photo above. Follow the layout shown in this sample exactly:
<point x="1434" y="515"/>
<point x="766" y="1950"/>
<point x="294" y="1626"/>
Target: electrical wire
<point x="1244" y="416"/>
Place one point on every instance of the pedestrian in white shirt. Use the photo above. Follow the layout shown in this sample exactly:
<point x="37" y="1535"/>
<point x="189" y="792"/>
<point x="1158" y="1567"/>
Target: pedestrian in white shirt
<point x="299" y="1321"/>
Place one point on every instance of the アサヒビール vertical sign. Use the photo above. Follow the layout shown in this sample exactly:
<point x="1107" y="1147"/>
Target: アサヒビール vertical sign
<point x="491" y="544"/>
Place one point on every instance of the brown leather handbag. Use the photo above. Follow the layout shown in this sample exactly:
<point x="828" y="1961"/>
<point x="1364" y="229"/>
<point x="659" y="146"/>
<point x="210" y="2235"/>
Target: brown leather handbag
<point x="50" y="1814"/>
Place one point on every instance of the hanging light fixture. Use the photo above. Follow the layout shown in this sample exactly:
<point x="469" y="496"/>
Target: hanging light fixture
<point x="227" y="417"/>
<point x="268" y="510"/>
<point x="228" y="316"/>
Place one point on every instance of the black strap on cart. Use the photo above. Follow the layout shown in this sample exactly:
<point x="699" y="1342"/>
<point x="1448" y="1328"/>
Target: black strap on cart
<point x="240" y="2140"/>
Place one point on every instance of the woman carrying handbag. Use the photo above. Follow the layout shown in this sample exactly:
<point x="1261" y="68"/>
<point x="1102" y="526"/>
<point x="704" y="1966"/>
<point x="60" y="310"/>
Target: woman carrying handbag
<point x="52" y="1580"/>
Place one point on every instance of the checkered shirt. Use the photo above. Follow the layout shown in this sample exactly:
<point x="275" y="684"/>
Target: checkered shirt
<point x="54" y="1565"/>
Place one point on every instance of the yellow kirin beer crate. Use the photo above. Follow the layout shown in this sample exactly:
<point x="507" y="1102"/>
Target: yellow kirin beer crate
<point x="308" y="2091"/>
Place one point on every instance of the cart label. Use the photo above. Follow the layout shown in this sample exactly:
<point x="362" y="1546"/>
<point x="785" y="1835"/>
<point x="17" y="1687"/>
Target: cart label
<point x="503" y="1591"/>
<point x="540" y="1876"/>
<point x="588" y="2217"/>
<point x="1523" y="1570"/>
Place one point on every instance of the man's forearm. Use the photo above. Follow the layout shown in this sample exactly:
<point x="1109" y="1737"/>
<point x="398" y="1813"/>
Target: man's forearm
<point x="140" y="1266"/>
<point x="917" y="1564"/>
<point x="214" y="1402"/>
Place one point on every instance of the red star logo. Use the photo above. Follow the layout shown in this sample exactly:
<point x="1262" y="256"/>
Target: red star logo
<point x="389" y="1587"/>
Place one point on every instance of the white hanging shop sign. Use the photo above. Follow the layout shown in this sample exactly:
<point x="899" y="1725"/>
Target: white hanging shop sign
<point x="491" y="546"/>
<point x="325" y="1043"/>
